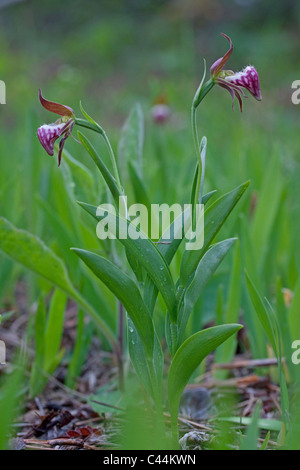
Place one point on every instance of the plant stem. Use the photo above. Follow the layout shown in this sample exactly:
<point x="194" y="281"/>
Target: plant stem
<point x="199" y="96"/>
<point x="118" y="346"/>
<point x="200" y="172"/>
<point x="97" y="128"/>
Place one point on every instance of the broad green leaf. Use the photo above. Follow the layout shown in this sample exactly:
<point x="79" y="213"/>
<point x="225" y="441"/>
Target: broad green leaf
<point x="214" y="217"/>
<point x="30" y="251"/>
<point x="206" y="267"/>
<point x="126" y="291"/>
<point x="63" y="233"/>
<point x="169" y="248"/>
<point x="188" y="357"/>
<point x="145" y="252"/>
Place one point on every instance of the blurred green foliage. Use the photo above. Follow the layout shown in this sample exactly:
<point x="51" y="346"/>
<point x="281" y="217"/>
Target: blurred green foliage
<point x="111" y="55"/>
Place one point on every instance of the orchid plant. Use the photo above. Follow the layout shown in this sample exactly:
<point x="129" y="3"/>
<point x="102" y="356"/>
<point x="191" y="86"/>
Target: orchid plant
<point x="146" y="272"/>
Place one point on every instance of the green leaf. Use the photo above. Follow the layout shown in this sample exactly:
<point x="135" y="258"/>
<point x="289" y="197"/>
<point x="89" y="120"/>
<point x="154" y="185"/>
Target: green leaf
<point x="149" y="370"/>
<point x="270" y="325"/>
<point x="188" y="357"/>
<point x="283" y="318"/>
<point x="263" y="314"/>
<point x="214" y="217"/>
<point x="108" y="177"/>
<point x="47" y="341"/>
<point x="197" y="186"/>
<point x="267" y="208"/>
<point x="10" y="402"/>
<point x="141" y="197"/>
<point x="30" y="251"/>
<point x="54" y="328"/>
<point x="39" y="333"/>
<point x="231" y="315"/>
<point x="265" y="442"/>
<point x="95" y="125"/>
<point x="84" y="336"/>
<point x="145" y="252"/>
<point x="263" y="423"/>
<point x="206" y="267"/>
<point x="130" y="147"/>
<point x="169" y="248"/>
<point x="82" y="177"/>
<point x="38" y="380"/>
<point x="65" y="235"/>
<point x="126" y="291"/>
<point x="294" y="317"/>
<point x="252" y="434"/>
<point x="194" y="185"/>
<point x="256" y="334"/>
<point x="220" y="305"/>
<point x="207" y="196"/>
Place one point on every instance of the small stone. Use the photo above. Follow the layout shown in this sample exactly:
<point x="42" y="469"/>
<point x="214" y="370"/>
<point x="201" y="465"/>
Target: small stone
<point x="192" y="440"/>
<point x="195" y="403"/>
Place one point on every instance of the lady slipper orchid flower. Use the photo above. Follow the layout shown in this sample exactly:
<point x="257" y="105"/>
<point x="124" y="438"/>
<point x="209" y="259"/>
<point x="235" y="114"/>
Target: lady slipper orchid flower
<point x="160" y="111"/>
<point x="49" y="133"/>
<point x="235" y="82"/>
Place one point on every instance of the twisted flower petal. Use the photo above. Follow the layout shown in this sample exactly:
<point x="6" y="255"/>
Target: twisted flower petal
<point x="56" y="108"/>
<point x="219" y="64"/>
